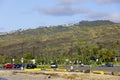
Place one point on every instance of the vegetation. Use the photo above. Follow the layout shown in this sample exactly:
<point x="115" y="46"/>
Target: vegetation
<point x="95" y="23"/>
<point x="96" y="43"/>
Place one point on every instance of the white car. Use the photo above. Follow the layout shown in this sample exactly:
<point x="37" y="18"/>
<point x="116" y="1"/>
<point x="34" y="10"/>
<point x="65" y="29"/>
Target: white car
<point x="53" y="65"/>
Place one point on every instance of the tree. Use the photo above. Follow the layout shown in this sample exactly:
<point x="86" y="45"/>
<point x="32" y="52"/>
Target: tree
<point x="28" y="56"/>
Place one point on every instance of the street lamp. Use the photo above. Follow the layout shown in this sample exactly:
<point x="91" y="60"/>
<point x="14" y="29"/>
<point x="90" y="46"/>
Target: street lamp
<point x="116" y="60"/>
<point x="33" y="61"/>
<point x="22" y="63"/>
<point x="96" y="60"/>
<point x="13" y="60"/>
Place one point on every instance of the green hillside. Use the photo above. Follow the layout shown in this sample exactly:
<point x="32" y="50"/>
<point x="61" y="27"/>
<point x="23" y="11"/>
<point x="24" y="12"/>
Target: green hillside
<point x="102" y="40"/>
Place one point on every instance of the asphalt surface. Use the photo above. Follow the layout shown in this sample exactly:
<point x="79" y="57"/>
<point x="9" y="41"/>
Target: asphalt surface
<point x="104" y="68"/>
<point x="77" y="67"/>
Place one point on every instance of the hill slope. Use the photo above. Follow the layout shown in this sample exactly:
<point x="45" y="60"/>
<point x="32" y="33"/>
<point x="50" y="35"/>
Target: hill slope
<point x="60" y="39"/>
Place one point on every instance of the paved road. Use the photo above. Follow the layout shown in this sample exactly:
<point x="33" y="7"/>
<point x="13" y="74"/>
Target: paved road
<point x="77" y="67"/>
<point x="11" y="69"/>
<point x="115" y="68"/>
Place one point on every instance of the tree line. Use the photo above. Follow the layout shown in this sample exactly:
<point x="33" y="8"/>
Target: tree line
<point x="82" y="52"/>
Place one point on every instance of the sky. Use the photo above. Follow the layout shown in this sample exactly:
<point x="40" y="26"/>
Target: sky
<point x="25" y="14"/>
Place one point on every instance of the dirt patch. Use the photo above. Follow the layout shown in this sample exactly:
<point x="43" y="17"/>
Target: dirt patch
<point x="47" y="75"/>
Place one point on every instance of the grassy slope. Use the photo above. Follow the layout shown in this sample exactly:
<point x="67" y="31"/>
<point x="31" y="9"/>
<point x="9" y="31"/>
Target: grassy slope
<point x="56" y="38"/>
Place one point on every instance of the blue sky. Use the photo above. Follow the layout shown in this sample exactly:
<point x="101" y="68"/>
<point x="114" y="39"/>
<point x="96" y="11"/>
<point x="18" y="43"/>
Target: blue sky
<point x="24" y="14"/>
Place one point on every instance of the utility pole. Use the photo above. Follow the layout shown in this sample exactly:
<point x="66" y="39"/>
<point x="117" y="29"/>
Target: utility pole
<point x="33" y="50"/>
<point x="22" y="56"/>
<point x="22" y="48"/>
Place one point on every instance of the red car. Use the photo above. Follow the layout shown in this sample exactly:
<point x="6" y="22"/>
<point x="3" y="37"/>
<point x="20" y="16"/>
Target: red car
<point x="8" y="66"/>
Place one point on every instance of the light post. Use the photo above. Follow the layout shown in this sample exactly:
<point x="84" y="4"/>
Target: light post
<point x="116" y="60"/>
<point x="96" y="61"/>
<point x="22" y="63"/>
<point x="13" y="60"/>
<point x="33" y="60"/>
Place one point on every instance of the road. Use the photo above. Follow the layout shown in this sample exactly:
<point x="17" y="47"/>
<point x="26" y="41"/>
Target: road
<point x="80" y="68"/>
<point x="115" y="68"/>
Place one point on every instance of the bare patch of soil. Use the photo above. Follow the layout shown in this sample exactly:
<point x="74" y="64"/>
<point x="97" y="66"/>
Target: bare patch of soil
<point x="47" y="75"/>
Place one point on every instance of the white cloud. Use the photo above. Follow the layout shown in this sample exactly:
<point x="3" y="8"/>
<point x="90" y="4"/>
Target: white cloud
<point x="70" y="1"/>
<point x="63" y="10"/>
<point x="67" y="8"/>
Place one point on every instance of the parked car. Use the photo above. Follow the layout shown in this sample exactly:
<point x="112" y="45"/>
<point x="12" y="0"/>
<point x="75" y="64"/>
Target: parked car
<point x="1" y="67"/>
<point x="82" y="65"/>
<point x="53" y="65"/>
<point x="8" y="66"/>
<point x="106" y="65"/>
<point x="31" y="66"/>
<point x="17" y="65"/>
<point x="109" y="65"/>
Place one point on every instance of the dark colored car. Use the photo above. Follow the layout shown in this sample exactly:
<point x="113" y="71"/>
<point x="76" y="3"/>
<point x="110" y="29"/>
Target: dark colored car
<point x="8" y="66"/>
<point x="1" y="67"/>
<point x="31" y="66"/>
<point x="108" y="65"/>
<point x="53" y="65"/>
<point x="17" y="65"/>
